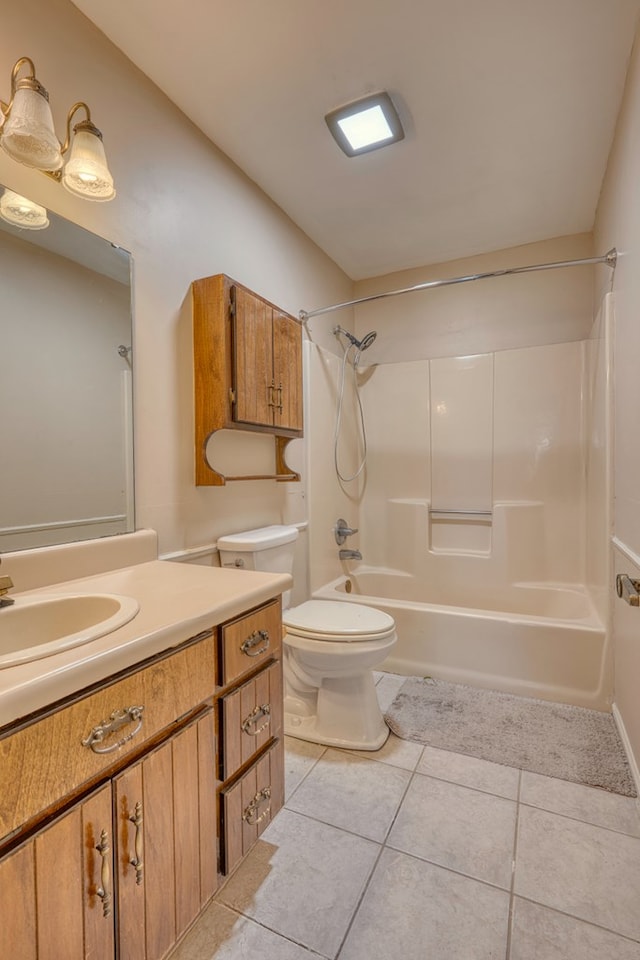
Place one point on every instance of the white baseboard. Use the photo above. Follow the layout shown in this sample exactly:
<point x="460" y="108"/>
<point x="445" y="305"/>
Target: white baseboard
<point x="626" y="743"/>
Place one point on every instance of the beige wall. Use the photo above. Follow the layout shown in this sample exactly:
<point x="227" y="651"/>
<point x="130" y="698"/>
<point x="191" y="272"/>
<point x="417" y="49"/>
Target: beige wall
<point x="618" y="224"/>
<point x="502" y="313"/>
<point x="184" y="211"/>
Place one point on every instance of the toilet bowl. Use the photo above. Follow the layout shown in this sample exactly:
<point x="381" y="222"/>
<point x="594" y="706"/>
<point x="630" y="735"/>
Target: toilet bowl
<point x="329" y="651"/>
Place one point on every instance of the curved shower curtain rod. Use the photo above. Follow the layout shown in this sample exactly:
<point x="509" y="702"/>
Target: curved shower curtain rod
<point x="609" y="258"/>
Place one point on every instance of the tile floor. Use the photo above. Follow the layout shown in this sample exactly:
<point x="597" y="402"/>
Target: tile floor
<point x="418" y="853"/>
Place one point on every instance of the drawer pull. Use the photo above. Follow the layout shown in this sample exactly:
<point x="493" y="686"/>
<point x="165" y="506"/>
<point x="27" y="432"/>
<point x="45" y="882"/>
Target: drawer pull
<point x="118" y="719"/>
<point x="254" y="718"/>
<point x="256" y="638"/>
<point x="136" y="861"/>
<point x="104" y="890"/>
<point x="251" y="814"/>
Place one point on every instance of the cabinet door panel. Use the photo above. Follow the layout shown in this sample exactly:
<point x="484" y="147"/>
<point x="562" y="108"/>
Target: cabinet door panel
<point x="252" y="359"/>
<point x="249" y="804"/>
<point x="251" y="716"/>
<point x="99" y="880"/>
<point x="18" y="924"/>
<point x="59" y="889"/>
<point x="63" y="888"/>
<point x="207" y="794"/>
<point x="186" y="827"/>
<point x="159" y="882"/>
<point x="287" y="371"/>
<point x="131" y="932"/>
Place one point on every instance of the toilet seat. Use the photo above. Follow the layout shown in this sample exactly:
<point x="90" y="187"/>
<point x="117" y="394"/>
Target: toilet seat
<point x="337" y="622"/>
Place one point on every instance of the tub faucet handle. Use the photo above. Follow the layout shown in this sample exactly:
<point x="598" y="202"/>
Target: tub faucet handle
<point x="342" y="530"/>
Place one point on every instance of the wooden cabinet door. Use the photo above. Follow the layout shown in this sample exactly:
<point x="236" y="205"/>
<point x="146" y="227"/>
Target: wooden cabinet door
<point x="165" y="810"/>
<point x="57" y="889"/>
<point x="252" y="360"/>
<point x="287" y="371"/>
<point x="250" y="716"/>
<point x="250" y="803"/>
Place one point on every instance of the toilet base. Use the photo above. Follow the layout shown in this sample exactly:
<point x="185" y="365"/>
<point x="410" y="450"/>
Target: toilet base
<point x="343" y="712"/>
<point x="304" y="728"/>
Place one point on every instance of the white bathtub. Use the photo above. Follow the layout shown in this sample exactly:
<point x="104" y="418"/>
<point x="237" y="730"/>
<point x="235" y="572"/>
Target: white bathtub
<point x="537" y="640"/>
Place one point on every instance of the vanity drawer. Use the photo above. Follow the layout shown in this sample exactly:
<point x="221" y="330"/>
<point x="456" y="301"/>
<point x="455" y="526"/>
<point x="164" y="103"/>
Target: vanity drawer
<point x="46" y="761"/>
<point x="250" y="641"/>
<point x="250" y="716"/>
<point x="248" y="806"/>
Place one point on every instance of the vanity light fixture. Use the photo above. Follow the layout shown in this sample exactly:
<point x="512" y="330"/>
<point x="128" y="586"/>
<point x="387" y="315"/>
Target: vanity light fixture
<point x="21" y="212"/>
<point x="365" y="125"/>
<point x="27" y="135"/>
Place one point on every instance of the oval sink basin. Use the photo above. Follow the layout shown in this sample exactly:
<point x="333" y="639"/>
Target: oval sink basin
<point x="36" y="627"/>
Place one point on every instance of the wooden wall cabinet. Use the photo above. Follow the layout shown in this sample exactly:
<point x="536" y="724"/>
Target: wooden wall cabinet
<point x="247" y="371"/>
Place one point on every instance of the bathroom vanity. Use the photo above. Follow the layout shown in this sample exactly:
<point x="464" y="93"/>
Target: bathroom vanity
<point x="124" y="801"/>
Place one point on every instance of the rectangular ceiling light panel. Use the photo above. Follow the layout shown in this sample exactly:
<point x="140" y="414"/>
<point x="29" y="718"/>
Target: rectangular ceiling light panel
<point x="365" y="125"/>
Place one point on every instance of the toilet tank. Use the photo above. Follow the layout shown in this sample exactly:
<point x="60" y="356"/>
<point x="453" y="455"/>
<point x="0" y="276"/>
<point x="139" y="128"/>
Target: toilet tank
<point x="268" y="548"/>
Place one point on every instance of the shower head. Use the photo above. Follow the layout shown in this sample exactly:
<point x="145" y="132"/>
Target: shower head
<point x="360" y="345"/>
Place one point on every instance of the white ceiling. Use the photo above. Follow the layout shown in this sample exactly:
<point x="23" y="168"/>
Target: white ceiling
<point x="509" y="108"/>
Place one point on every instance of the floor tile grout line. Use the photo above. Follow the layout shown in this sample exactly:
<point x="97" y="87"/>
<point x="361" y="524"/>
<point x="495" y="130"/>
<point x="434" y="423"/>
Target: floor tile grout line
<point x="359" y="903"/>
<point x="303" y="778"/>
<point x="399" y="807"/>
<point x="467" y="786"/>
<point x="277" y="933"/>
<point x="575" y="819"/>
<point x="440" y="866"/>
<point x="387" y="846"/>
<point x="327" y="823"/>
<point x="572" y="916"/>
<point x="513" y="871"/>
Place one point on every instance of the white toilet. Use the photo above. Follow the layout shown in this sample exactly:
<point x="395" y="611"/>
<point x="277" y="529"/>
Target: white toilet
<point x="330" y="650"/>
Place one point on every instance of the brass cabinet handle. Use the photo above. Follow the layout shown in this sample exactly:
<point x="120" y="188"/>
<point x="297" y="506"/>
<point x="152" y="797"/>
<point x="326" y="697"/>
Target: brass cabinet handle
<point x="271" y="387"/>
<point x="118" y="719"/>
<point x="255" y="717"/>
<point x="137" y="861"/>
<point x="104" y="890"/>
<point x="279" y="404"/>
<point x="251" y="814"/>
<point x="256" y="638"/>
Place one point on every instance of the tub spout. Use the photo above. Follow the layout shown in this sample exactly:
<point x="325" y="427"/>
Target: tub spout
<point x="350" y="555"/>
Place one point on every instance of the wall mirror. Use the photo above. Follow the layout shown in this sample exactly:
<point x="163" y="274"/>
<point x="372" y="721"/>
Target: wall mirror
<point x="66" y="436"/>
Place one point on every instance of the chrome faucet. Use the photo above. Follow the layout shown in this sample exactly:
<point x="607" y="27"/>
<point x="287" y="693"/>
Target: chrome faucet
<point x="5" y="585"/>
<point x="350" y="555"/>
<point x="342" y="531"/>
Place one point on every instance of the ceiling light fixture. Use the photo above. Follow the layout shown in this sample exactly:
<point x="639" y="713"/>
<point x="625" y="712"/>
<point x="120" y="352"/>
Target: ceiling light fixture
<point x="27" y="135"/>
<point x="365" y="125"/>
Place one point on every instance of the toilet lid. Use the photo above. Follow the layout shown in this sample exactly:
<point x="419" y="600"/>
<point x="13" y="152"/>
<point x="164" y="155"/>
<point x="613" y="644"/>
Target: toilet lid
<point x="334" y="620"/>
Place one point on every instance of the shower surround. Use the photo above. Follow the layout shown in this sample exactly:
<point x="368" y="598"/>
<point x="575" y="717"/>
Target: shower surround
<point x="485" y="483"/>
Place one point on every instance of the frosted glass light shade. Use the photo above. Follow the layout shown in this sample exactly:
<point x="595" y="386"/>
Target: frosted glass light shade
<point x="28" y="135"/>
<point x="22" y="212"/>
<point x="86" y="172"/>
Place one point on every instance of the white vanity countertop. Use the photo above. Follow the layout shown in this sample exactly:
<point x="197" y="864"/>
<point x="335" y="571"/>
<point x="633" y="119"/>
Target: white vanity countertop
<point x="177" y="601"/>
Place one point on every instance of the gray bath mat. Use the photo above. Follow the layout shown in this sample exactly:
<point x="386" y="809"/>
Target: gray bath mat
<point x="554" y="739"/>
